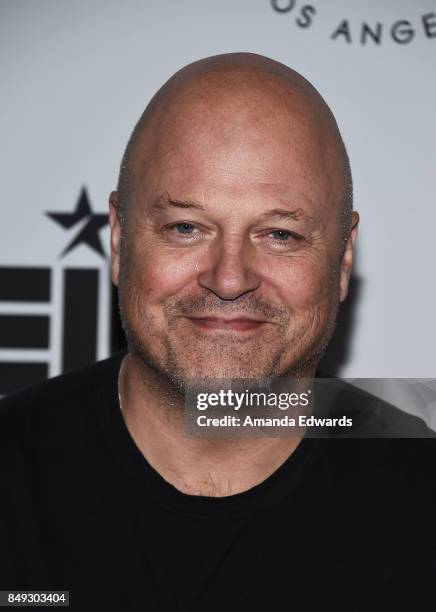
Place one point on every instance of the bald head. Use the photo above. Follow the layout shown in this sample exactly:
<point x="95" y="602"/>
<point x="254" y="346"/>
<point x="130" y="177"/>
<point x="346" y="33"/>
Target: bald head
<point x="246" y="101"/>
<point x="237" y="191"/>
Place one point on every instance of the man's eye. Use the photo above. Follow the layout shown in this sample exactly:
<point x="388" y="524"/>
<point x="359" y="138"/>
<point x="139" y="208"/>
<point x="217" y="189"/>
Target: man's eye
<point x="281" y="235"/>
<point x="184" y="228"/>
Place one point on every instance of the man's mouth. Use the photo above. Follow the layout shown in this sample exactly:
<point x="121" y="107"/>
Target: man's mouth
<point x="239" y="324"/>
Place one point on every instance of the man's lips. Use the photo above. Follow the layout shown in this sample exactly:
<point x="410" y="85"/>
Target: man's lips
<point x="227" y="324"/>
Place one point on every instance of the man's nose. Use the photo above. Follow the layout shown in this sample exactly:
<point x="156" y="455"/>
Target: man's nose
<point x="228" y="271"/>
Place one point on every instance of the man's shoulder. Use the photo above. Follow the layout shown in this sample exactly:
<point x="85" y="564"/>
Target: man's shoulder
<point x="371" y="416"/>
<point x="66" y="391"/>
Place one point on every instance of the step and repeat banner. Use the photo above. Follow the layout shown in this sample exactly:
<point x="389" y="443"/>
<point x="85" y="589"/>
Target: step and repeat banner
<point x="77" y="75"/>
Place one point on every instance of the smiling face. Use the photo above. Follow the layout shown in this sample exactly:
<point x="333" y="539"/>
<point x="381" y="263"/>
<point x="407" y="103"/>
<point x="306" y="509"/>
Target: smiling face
<point x="231" y="262"/>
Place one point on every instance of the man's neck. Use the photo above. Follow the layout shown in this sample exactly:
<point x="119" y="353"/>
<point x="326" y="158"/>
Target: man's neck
<point x="196" y="466"/>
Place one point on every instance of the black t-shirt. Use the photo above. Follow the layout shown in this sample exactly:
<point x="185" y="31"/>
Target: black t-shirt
<point x="343" y="524"/>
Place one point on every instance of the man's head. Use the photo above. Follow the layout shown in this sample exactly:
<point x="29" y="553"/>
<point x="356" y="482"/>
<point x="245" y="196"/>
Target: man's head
<point x="232" y="229"/>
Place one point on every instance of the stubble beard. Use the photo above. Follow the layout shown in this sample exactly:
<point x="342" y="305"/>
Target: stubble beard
<point x="171" y="368"/>
<point x="218" y="358"/>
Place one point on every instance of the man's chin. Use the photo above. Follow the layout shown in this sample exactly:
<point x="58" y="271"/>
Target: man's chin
<point x="180" y="366"/>
<point x="229" y="370"/>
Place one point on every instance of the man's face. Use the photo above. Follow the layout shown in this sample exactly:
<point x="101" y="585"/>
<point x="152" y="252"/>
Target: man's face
<point x="230" y="263"/>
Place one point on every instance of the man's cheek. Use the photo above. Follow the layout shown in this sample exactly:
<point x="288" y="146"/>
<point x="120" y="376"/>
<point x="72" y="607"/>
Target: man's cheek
<point x="303" y="283"/>
<point x="163" y="277"/>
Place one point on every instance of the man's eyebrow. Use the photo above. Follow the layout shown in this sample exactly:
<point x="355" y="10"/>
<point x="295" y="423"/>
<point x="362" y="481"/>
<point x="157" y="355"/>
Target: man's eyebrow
<point x="296" y="215"/>
<point x="163" y="203"/>
<point x="168" y="202"/>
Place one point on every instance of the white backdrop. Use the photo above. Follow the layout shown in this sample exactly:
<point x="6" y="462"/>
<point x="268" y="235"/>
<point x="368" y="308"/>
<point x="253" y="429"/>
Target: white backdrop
<point x="76" y="76"/>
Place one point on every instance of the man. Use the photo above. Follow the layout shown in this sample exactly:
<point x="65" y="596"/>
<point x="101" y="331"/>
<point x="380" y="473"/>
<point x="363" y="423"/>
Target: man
<point x="232" y="237"/>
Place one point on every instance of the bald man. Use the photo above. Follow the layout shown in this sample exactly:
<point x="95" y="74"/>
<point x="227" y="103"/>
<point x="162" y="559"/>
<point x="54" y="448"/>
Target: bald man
<point x="232" y="241"/>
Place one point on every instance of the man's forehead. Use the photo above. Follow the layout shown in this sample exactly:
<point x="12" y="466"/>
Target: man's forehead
<point x="298" y="207"/>
<point x="254" y="120"/>
<point x="233" y="178"/>
<point x="288" y="179"/>
<point x="270" y="160"/>
<point x="236" y="147"/>
<point x="215" y="207"/>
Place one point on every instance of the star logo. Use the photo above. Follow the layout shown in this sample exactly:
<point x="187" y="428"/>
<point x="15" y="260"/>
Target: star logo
<point x="89" y="234"/>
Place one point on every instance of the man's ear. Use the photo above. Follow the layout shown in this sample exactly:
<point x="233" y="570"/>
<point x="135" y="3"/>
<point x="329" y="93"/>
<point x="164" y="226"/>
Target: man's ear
<point x="114" y="221"/>
<point x="347" y="258"/>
